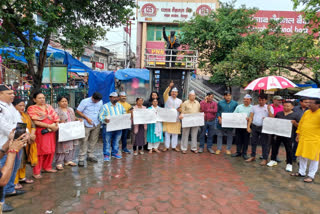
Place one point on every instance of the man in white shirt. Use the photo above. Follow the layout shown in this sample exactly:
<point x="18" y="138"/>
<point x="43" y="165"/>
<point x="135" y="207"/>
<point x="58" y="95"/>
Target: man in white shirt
<point x="9" y="117"/>
<point x="258" y="113"/>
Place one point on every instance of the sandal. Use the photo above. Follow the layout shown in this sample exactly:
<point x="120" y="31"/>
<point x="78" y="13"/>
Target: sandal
<point x="176" y="149"/>
<point x="297" y="174"/>
<point x="150" y="152"/>
<point x="50" y="171"/>
<point x="18" y="186"/>
<point x="194" y="151"/>
<point x="308" y="180"/>
<point x="37" y="176"/>
<point x="70" y="163"/>
<point x="59" y="167"/>
<point x="26" y="181"/>
<point x="184" y="152"/>
<point x="156" y="150"/>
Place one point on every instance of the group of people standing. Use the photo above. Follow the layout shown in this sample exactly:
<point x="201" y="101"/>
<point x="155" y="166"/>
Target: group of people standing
<point x="40" y="144"/>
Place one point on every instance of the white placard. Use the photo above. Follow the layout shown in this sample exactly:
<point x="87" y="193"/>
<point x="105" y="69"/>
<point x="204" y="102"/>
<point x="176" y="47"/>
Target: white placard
<point x="234" y="120"/>
<point x="193" y="120"/>
<point x="71" y="131"/>
<point x="144" y="116"/>
<point x="167" y="115"/>
<point x="119" y="122"/>
<point x="280" y="127"/>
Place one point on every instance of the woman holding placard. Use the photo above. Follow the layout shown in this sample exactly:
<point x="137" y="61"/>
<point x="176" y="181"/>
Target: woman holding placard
<point x="46" y="120"/>
<point x="65" y="151"/>
<point x="139" y="130"/>
<point x="154" y="131"/>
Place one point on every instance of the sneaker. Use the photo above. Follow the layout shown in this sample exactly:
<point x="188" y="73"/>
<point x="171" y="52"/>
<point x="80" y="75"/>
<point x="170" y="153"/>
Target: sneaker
<point x="200" y="150"/>
<point x="272" y="163"/>
<point x="117" y="156"/>
<point x="236" y="154"/>
<point x="228" y="152"/>
<point x="210" y="151"/>
<point x="135" y="153"/>
<point x="218" y="152"/>
<point x="92" y="159"/>
<point x="126" y="151"/>
<point x="81" y="163"/>
<point x="106" y="158"/>
<point x="141" y="152"/>
<point x="289" y="168"/>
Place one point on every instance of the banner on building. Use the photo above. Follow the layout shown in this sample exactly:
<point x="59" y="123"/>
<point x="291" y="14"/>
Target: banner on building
<point x="168" y="12"/>
<point x="291" y="21"/>
<point x="99" y="65"/>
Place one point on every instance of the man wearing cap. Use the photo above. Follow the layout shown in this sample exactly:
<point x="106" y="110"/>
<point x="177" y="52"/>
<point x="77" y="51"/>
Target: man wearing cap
<point x="188" y="107"/>
<point x="227" y="105"/>
<point x="172" y="129"/>
<point x="111" y="108"/>
<point x="9" y="117"/>
<point x="209" y="108"/>
<point x="89" y="109"/>
<point x="127" y="107"/>
<point x="308" y="138"/>
<point x="277" y="104"/>
<point x="257" y="114"/>
<point x="242" y="135"/>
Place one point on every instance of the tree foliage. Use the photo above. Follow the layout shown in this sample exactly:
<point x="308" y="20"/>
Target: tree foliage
<point x="216" y="35"/>
<point x="75" y="23"/>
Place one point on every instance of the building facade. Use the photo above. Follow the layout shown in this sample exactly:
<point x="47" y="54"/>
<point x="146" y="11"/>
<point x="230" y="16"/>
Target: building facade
<point x="153" y="15"/>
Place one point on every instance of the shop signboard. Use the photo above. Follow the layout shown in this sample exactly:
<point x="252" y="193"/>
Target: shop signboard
<point x="168" y="12"/>
<point x="58" y="74"/>
<point x="99" y="65"/>
<point x="291" y="21"/>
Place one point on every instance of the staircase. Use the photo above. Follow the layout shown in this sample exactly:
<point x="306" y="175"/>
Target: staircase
<point x="201" y="90"/>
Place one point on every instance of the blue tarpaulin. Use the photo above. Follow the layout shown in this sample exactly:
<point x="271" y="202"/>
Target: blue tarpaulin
<point x="307" y="85"/>
<point x="130" y="73"/>
<point x="102" y="82"/>
<point x="73" y="64"/>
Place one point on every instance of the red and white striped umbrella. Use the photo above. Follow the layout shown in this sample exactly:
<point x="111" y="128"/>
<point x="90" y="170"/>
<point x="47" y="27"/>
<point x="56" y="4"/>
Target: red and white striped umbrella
<point x="270" y="82"/>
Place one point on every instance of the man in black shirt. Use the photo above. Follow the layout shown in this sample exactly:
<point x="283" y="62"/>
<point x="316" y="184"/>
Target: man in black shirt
<point x="286" y="114"/>
<point x="300" y="109"/>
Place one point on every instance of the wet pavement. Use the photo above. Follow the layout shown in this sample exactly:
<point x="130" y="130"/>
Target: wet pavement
<point x="170" y="182"/>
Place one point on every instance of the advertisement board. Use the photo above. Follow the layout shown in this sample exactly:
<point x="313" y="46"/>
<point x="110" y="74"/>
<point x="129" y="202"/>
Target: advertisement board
<point x="167" y="12"/>
<point x="99" y="65"/>
<point x="292" y="21"/>
<point x="58" y="75"/>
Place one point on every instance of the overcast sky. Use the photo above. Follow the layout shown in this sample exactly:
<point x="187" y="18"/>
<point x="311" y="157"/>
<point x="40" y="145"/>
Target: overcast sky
<point x="115" y="37"/>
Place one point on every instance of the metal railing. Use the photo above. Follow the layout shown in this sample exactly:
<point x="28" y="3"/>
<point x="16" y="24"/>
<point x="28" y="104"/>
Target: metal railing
<point x="201" y="90"/>
<point x="75" y="95"/>
<point x="165" y="57"/>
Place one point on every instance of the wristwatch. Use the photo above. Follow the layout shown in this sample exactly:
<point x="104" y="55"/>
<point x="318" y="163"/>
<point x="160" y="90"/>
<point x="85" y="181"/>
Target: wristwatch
<point x="1" y="150"/>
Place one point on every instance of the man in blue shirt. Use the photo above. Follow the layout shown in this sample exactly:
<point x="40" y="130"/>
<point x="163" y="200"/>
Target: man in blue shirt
<point x="111" y="108"/>
<point x="89" y="109"/>
<point x="227" y="105"/>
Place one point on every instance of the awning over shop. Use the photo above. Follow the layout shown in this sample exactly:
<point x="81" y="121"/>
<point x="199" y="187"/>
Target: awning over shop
<point x="102" y="82"/>
<point x="130" y="73"/>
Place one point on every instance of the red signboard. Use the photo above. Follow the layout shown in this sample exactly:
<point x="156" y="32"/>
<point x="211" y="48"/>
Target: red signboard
<point x="99" y="65"/>
<point x="292" y="22"/>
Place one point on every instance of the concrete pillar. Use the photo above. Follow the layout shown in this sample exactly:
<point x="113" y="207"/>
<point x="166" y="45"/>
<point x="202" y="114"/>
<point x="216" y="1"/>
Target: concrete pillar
<point x="144" y="43"/>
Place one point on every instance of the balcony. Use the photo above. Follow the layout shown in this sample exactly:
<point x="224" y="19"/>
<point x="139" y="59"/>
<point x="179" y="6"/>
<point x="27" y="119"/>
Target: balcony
<point x="157" y="58"/>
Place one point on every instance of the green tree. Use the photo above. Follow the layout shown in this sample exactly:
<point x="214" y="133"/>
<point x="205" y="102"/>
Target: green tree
<point x="270" y="53"/>
<point x="216" y="35"/>
<point x="75" y="23"/>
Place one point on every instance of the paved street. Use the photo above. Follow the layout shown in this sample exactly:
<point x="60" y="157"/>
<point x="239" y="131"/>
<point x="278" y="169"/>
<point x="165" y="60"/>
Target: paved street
<point x="171" y="183"/>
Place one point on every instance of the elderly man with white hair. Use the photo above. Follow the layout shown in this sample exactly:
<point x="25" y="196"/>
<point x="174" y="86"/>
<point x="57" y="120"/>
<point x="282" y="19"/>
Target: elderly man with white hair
<point x="172" y="129"/>
<point x="242" y="135"/>
<point x="188" y="107"/>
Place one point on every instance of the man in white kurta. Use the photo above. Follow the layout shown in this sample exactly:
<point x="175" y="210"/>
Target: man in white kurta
<point x="172" y="130"/>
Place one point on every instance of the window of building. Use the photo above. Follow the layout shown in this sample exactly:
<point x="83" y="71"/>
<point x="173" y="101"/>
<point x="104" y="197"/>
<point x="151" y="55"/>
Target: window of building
<point x="154" y="32"/>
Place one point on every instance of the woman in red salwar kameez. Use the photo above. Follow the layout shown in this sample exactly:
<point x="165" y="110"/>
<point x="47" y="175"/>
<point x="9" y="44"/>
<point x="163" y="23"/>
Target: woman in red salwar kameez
<point x="46" y="121"/>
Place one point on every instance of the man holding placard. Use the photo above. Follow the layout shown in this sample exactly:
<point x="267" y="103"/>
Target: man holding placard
<point x="209" y="108"/>
<point x="188" y="107"/>
<point x="128" y="109"/>
<point x="226" y="105"/>
<point x="242" y="135"/>
<point x="172" y="129"/>
<point x="286" y="114"/>
<point x="257" y="114"/>
<point x="111" y="108"/>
